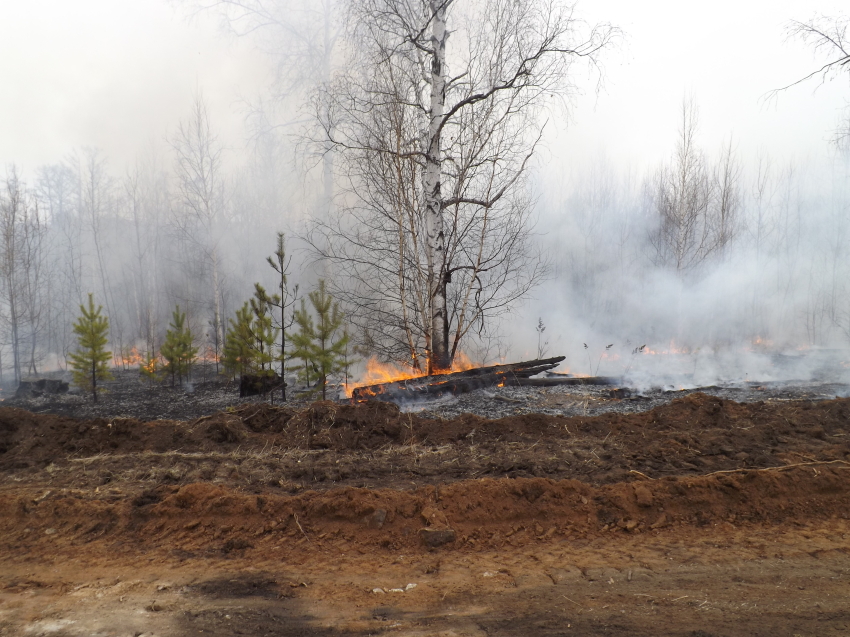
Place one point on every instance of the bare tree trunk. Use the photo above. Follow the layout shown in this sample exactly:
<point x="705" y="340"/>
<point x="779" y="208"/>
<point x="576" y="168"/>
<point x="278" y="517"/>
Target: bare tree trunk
<point x="11" y="209"/>
<point x="439" y="359"/>
<point x="16" y="354"/>
<point x="217" y="323"/>
<point x="36" y="300"/>
<point x="201" y="187"/>
<point x="727" y="187"/>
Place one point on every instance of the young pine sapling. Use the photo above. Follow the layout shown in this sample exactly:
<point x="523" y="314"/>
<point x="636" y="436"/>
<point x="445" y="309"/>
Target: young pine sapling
<point x="283" y="300"/>
<point x="90" y="362"/>
<point x="179" y="350"/>
<point x="322" y="344"/>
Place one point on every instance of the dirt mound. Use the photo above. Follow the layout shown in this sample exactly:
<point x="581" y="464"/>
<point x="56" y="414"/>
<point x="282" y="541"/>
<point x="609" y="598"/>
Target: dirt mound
<point x="347" y="444"/>
<point x="207" y="518"/>
<point x="330" y="425"/>
<point x="28" y="439"/>
<point x="39" y="439"/>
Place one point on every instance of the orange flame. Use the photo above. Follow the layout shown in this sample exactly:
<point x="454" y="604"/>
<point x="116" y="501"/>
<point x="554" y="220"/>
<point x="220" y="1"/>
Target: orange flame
<point x="132" y="357"/>
<point x="209" y="355"/>
<point x="150" y="366"/>
<point x="381" y="373"/>
<point x="760" y="344"/>
<point x="671" y="349"/>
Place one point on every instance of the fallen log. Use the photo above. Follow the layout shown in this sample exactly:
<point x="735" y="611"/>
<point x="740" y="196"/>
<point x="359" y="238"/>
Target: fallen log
<point x="454" y="382"/>
<point x="555" y="381"/>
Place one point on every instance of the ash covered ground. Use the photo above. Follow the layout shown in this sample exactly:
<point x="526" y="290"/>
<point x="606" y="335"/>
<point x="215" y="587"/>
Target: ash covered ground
<point x="816" y="376"/>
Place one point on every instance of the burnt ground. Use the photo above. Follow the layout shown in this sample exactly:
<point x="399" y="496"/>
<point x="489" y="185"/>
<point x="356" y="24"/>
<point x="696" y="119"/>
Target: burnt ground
<point x="683" y="513"/>
<point x="128" y="396"/>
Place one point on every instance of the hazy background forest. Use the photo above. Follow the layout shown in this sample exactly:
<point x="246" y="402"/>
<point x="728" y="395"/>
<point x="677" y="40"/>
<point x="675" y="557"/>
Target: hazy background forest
<point x="173" y="195"/>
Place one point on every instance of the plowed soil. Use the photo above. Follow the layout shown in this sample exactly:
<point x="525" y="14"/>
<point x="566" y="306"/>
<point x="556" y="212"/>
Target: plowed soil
<point x="703" y="517"/>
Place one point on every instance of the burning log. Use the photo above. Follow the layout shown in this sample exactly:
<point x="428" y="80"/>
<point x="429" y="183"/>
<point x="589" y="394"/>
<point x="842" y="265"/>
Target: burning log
<point x="455" y="382"/>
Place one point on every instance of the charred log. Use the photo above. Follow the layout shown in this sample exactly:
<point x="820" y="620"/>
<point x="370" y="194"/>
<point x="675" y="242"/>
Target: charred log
<point x="456" y="382"/>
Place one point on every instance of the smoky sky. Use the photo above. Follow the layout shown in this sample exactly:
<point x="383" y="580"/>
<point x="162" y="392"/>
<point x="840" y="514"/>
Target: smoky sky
<point x="113" y="75"/>
<point x="117" y="75"/>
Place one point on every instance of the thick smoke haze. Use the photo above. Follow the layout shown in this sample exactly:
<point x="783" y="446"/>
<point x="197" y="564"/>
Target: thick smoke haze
<point x="779" y="287"/>
<point x="116" y="76"/>
<point x="107" y="108"/>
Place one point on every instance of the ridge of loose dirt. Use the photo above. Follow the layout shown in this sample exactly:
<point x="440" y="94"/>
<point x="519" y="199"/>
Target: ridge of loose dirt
<point x="325" y="445"/>
<point x="202" y="518"/>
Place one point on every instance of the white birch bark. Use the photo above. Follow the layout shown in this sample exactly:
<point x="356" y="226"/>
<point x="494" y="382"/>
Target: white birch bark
<point x="435" y="235"/>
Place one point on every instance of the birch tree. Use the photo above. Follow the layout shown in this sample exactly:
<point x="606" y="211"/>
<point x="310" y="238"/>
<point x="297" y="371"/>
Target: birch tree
<point x="12" y="206"/>
<point x="681" y="196"/>
<point x="696" y="203"/>
<point x="35" y="272"/>
<point x="827" y="36"/>
<point x="436" y="135"/>
<point x="146" y="201"/>
<point x="23" y="274"/>
<point x="97" y="206"/>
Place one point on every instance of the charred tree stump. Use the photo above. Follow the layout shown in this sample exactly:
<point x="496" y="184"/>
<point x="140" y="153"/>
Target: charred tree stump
<point x="456" y="382"/>
<point x="259" y="384"/>
<point x="40" y="387"/>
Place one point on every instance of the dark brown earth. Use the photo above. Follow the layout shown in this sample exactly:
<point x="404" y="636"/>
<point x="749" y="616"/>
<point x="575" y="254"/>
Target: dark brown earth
<point x="702" y="517"/>
<point x="327" y="445"/>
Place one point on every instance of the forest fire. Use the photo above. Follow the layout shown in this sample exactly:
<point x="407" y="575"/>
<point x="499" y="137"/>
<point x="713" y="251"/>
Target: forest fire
<point x="131" y="357"/>
<point x="378" y="373"/>
<point x="412" y="387"/>
<point x="209" y="355"/>
<point x="667" y="351"/>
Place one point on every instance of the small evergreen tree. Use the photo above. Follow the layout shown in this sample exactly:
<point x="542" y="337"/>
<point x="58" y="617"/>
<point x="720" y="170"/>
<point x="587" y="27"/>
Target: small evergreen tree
<point x="149" y="370"/>
<point x="178" y="350"/>
<point x="302" y="343"/>
<point x="238" y="353"/>
<point x="264" y="334"/>
<point x="250" y="341"/>
<point x="319" y="343"/>
<point x="90" y="362"/>
<point x="282" y="300"/>
<point x="330" y="349"/>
